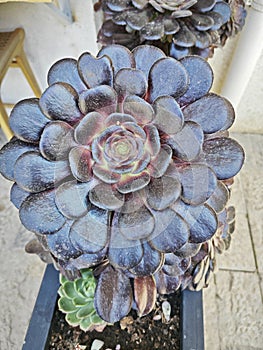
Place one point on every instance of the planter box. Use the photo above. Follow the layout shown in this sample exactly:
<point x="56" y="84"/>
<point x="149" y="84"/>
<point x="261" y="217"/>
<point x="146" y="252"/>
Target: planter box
<point x="38" y="333"/>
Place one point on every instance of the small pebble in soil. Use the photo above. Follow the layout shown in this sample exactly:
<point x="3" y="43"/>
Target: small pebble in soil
<point x="166" y="308"/>
<point x="157" y="317"/>
<point x="97" y="344"/>
<point x="80" y="347"/>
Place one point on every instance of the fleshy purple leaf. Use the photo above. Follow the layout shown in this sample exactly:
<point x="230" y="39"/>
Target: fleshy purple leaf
<point x="27" y="121"/>
<point x="174" y="265"/>
<point x="39" y="213"/>
<point x="161" y="83"/>
<point x="223" y="9"/>
<point x="59" y="102"/>
<point x="188" y="250"/>
<point x="152" y="144"/>
<point x="152" y="31"/>
<point x="95" y="71"/>
<point x="89" y="127"/>
<point x="211" y="112"/>
<point x="123" y="253"/>
<point x="198" y="183"/>
<point x="224" y="155"/>
<point x="34" y="173"/>
<point x="106" y="197"/>
<point x="145" y="56"/>
<point x="80" y="161"/>
<point x="144" y="294"/>
<point x="184" y="37"/>
<point x="151" y="261"/>
<point x="130" y="81"/>
<point x="168" y="115"/>
<point x="105" y="174"/>
<point x="18" y="195"/>
<point x="178" y="52"/>
<point x="141" y="110"/>
<point x="102" y="99"/>
<point x="219" y="197"/>
<point x="86" y="260"/>
<point x="202" y="22"/>
<point x="90" y="232"/>
<point x="187" y="143"/>
<point x="166" y="284"/>
<point x="72" y="198"/>
<point x="162" y="192"/>
<point x="171" y="231"/>
<point x="130" y="183"/>
<point x="204" y="5"/>
<point x="113" y="295"/>
<point x="160" y="163"/>
<point x="56" y="140"/>
<point x="60" y="245"/>
<point x="119" y="118"/>
<point x="66" y="71"/>
<point x="201" y="219"/>
<point x="119" y="55"/>
<point x="200" y="77"/>
<point x="136" y="225"/>
<point x="9" y="154"/>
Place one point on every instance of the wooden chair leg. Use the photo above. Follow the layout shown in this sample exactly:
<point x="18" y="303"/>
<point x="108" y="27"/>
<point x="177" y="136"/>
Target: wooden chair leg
<point x="4" y="122"/>
<point x="26" y="69"/>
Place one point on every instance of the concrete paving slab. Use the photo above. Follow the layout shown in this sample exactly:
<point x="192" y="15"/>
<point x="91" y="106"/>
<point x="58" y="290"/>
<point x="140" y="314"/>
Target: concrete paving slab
<point x="251" y="177"/>
<point x="240" y="255"/>
<point x="20" y="275"/>
<point x="211" y="320"/>
<point x="19" y="285"/>
<point x="261" y="285"/>
<point x="240" y="310"/>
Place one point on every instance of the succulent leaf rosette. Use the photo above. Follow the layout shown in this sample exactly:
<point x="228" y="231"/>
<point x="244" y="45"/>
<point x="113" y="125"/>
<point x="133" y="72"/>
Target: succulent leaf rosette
<point x="179" y="27"/>
<point x="77" y="302"/>
<point x="122" y="165"/>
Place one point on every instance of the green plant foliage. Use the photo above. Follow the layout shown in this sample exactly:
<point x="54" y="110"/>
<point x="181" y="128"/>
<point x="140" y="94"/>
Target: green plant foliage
<point x="77" y="301"/>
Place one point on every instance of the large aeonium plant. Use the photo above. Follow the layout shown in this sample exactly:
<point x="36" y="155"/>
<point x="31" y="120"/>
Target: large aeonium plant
<point x="123" y="165"/>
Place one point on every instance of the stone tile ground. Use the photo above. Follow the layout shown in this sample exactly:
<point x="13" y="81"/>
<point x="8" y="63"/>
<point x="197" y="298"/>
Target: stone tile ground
<point x="233" y="303"/>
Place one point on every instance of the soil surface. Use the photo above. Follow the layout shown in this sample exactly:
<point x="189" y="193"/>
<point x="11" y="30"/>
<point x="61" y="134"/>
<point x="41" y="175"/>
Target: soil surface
<point x="132" y="333"/>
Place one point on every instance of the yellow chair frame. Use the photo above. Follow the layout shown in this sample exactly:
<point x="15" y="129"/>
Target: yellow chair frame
<point x="12" y="54"/>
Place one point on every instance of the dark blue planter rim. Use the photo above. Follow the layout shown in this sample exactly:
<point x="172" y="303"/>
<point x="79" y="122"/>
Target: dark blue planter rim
<point x="38" y="332"/>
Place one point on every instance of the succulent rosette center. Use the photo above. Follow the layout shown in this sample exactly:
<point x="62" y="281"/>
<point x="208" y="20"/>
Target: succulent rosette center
<point x="120" y="149"/>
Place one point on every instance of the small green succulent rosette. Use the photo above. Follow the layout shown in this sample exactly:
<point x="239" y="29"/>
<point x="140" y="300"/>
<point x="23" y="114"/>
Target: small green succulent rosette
<point x="77" y="302"/>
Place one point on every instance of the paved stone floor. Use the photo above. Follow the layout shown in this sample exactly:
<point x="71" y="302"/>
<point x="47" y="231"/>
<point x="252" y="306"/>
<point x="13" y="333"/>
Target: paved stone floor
<point x="233" y="303"/>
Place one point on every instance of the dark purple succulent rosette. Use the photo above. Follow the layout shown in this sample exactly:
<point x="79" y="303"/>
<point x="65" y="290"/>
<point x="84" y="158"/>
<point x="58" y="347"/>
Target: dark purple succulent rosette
<point x="122" y="163"/>
<point x="180" y="28"/>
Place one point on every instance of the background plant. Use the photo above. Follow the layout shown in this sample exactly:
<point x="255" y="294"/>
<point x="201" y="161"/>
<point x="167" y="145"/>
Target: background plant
<point x="179" y="27"/>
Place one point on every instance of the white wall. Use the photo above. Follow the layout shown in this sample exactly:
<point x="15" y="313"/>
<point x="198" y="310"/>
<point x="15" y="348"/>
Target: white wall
<point x="48" y="39"/>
